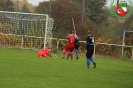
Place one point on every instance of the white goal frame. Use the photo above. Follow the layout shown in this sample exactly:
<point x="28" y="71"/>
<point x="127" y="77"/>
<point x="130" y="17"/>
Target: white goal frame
<point x="123" y="42"/>
<point x="19" y="21"/>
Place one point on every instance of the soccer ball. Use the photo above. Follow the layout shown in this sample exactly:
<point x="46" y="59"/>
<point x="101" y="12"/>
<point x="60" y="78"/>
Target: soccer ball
<point x="54" y="56"/>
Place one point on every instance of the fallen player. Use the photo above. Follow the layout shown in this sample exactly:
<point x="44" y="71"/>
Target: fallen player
<point x="46" y="53"/>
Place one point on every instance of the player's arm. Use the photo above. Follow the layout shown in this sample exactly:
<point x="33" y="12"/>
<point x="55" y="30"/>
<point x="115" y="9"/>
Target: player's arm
<point x="93" y="40"/>
<point x="49" y="55"/>
<point x="49" y="52"/>
<point x="86" y="45"/>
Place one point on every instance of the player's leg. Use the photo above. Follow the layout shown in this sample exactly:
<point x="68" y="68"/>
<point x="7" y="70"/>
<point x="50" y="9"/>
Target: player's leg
<point x="66" y="49"/>
<point x="91" y="59"/>
<point x="68" y="55"/>
<point x="71" y="53"/>
<point x="40" y="52"/>
<point x="76" y="52"/>
<point x="64" y="54"/>
<point x="88" y="55"/>
<point x="44" y="55"/>
<point x="69" y="48"/>
<point x="88" y="63"/>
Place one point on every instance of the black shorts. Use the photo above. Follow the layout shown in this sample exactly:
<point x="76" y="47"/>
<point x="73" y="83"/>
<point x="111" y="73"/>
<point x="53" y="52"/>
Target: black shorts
<point x="76" y="46"/>
<point x="89" y="54"/>
<point x="90" y="51"/>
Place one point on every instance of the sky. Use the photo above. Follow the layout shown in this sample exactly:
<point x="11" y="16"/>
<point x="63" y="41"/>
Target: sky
<point x="36" y="2"/>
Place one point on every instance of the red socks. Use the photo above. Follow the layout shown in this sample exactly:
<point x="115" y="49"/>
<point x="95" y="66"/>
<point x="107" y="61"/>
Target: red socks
<point x="71" y="55"/>
<point x="64" y="53"/>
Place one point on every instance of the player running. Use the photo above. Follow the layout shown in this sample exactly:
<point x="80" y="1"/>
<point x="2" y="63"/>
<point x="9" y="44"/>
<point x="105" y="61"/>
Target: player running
<point x="76" y="46"/>
<point x="70" y="46"/>
<point x="90" y="50"/>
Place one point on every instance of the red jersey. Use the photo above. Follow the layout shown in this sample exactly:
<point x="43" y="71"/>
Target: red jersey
<point x="46" y="51"/>
<point x="71" y="39"/>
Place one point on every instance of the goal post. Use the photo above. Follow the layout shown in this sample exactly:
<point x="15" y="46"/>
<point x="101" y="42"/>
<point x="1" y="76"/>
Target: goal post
<point x="123" y="41"/>
<point x="25" y="30"/>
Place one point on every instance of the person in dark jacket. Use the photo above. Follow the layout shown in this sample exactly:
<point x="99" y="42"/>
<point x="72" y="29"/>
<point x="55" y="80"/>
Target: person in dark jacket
<point x="89" y="50"/>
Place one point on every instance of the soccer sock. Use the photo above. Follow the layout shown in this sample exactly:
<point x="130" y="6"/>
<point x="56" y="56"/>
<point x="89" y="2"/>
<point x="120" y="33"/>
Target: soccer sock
<point x="64" y="53"/>
<point x="76" y="53"/>
<point x="88" y="63"/>
<point x="68" y="55"/>
<point x="71" y="55"/>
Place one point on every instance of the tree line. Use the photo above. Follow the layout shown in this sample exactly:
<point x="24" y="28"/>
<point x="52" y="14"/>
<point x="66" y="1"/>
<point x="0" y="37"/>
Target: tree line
<point x="13" y="5"/>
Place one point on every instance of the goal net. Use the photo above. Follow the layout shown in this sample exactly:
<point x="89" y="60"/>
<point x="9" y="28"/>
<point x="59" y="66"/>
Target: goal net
<point x="25" y="30"/>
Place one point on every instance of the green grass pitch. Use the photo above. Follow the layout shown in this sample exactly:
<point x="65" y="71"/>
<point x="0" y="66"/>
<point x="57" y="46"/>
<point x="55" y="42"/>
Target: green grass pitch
<point x="23" y="69"/>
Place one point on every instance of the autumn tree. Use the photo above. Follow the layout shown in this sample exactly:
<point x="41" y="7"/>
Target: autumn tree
<point x="43" y="7"/>
<point x="25" y="9"/>
<point x="94" y="9"/>
<point x="63" y="11"/>
<point x="22" y="2"/>
<point x="6" y="5"/>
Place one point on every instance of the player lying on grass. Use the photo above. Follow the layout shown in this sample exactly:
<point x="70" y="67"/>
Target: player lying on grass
<point x="46" y="53"/>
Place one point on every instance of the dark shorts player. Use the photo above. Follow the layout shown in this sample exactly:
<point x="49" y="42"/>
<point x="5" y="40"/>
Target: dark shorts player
<point x="90" y="50"/>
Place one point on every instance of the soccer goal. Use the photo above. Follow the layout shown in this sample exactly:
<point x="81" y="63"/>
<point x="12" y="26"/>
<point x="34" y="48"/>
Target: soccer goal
<point x="25" y="30"/>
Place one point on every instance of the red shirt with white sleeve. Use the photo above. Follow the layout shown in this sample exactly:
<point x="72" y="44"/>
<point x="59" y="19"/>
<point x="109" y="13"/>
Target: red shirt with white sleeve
<point x="71" y="39"/>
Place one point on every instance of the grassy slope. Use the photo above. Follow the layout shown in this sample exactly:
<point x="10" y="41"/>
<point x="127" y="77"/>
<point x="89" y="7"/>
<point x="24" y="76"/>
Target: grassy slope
<point x="23" y="69"/>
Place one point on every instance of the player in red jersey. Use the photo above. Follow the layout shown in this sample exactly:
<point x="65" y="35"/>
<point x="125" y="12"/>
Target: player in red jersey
<point x="76" y="46"/>
<point x="44" y="53"/>
<point x="70" y="46"/>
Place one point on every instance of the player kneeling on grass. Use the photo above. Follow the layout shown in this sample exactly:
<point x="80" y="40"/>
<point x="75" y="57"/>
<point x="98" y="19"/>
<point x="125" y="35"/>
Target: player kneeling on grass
<point x="46" y="53"/>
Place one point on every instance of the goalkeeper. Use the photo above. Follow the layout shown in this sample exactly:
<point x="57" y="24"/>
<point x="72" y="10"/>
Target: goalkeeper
<point x="45" y="53"/>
